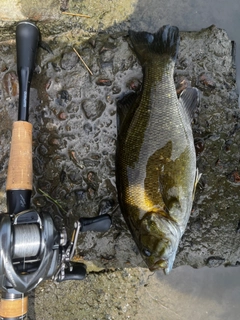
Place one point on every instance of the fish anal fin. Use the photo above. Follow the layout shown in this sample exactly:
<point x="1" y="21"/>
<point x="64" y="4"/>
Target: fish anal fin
<point x="189" y="100"/>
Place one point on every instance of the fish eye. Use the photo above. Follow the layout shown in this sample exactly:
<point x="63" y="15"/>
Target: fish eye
<point x="146" y="252"/>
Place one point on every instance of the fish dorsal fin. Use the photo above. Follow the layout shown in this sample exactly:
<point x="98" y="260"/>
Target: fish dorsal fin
<point x="190" y="99"/>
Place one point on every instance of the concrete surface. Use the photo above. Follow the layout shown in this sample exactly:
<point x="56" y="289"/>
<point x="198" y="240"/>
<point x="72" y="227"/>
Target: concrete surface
<point x="73" y="137"/>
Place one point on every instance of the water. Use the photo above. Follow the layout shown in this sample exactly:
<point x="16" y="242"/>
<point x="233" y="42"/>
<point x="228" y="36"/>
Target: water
<point x="190" y="15"/>
<point x="192" y="294"/>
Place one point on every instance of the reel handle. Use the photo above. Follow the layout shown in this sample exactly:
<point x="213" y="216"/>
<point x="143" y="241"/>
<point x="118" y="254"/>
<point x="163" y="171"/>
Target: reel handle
<point x="78" y="272"/>
<point x="27" y="38"/>
<point x="100" y="223"/>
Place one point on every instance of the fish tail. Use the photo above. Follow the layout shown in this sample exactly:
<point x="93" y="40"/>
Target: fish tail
<point x="165" y="41"/>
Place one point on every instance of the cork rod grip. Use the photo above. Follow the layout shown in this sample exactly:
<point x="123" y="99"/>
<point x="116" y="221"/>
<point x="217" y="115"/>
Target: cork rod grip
<point x="19" y="175"/>
<point x="13" y="308"/>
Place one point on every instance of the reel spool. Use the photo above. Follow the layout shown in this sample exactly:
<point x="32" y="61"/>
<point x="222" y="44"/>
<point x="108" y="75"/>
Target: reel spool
<point x="26" y="234"/>
<point x="30" y="250"/>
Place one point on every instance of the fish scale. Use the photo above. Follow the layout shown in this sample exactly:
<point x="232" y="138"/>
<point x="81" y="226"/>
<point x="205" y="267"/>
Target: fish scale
<point x="156" y="161"/>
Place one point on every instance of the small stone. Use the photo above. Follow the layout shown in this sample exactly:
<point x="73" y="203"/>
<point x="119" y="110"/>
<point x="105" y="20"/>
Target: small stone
<point x="53" y="141"/>
<point x="87" y="128"/>
<point x="64" y="95"/>
<point x="134" y="84"/>
<point x="90" y="176"/>
<point x="69" y="60"/>
<point x="62" y="116"/>
<point x="234" y="176"/>
<point x="213" y="262"/>
<point x="207" y="80"/>
<point x="91" y="193"/>
<point x="80" y="194"/>
<point x="116" y="89"/>
<point x="73" y="108"/>
<point x="43" y="150"/>
<point x="105" y="206"/>
<point x="93" y="109"/>
<point x="104" y="82"/>
<point x="10" y="84"/>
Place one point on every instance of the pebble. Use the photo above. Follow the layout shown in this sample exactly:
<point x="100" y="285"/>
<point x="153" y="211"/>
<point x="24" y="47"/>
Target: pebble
<point x="207" y="80"/>
<point x="103" y="82"/>
<point x="134" y="84"/>
<point x="62" y="116"/>
<point x="10" y="84"/>
<point x="93" y="109"/>
<point x="69" y="60"/>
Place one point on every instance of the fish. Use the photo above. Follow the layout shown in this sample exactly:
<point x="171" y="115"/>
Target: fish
<point x="156" y="173"/>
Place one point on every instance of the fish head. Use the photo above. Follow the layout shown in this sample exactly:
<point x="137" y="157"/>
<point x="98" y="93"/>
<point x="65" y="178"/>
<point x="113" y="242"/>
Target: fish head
<point x="158" y="241"/>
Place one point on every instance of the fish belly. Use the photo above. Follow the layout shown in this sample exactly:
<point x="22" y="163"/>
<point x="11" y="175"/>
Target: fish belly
<point x="157" y="161"/>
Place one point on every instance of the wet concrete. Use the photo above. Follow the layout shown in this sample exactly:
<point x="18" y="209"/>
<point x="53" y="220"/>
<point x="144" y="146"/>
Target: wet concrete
<point x="138" y="294"/>
<point x="74" y="118"/>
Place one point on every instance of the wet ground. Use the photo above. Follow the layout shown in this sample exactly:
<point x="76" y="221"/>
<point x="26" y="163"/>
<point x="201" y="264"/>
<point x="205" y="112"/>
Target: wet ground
<point x="74" y="137"/>
<point x="138" y="294"/>
<point x="74" y="118"/>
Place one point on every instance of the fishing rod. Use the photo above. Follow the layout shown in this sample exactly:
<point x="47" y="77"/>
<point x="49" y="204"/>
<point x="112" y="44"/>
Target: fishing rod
<point x="31" y="248"/>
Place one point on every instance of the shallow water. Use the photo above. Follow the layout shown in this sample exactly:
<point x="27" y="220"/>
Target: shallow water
<point x="192" y="294"/>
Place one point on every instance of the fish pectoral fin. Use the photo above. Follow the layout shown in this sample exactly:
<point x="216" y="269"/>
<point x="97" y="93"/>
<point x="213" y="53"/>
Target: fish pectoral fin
<point x="126" y="107"/>
<point x="189" y="100"/>
<point x="197" y="178"/>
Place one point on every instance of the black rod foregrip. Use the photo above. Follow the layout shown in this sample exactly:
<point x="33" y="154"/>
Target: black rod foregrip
<point x="27" y="38"/>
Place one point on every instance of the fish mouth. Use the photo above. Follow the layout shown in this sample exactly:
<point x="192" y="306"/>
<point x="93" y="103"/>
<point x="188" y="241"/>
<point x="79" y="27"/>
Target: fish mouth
<point x="161" y="264"/>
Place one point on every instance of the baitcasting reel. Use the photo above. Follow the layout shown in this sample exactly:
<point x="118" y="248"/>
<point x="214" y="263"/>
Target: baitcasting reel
<point x="32" y="250"/>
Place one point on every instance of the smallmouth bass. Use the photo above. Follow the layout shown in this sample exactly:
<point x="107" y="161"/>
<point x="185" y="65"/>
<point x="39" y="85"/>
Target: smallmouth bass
<point x="155" y="160"/>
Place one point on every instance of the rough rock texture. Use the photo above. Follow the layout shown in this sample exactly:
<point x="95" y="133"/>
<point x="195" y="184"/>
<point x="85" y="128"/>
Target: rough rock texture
<point x="212" y="236"/>
<point x="74" y="120"/>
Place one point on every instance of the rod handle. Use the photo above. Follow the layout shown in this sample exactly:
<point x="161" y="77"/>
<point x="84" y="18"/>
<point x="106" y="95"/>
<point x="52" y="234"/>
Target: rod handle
<point x="13" y="308"/>
<point x="19" y="176"/>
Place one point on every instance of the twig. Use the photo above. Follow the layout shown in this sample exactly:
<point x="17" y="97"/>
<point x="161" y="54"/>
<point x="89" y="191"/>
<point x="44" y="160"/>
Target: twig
<point x="82" y="61"/>
<point x="54" y="201"/>
<point x="76" y="14"/>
